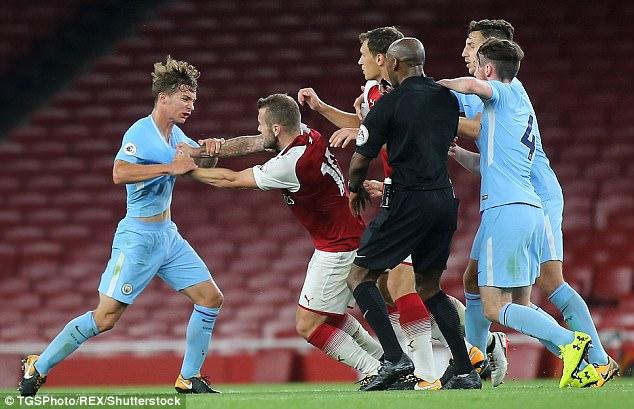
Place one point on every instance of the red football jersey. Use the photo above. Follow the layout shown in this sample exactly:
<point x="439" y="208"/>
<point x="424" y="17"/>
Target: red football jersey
<point x="371" y="94"/>
<point x="314" y="189"/>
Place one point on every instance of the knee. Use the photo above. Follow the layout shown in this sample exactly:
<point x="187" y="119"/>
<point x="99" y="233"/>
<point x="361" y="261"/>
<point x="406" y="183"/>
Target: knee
<point x="357" y="276"/>
<point x="491" y="311"/>
<point x="551" y="277"/>
<point x="211" y="299"/>
<point x="303" y="328"/>
<point x="305" y="324"/>
<point x="427" y="289"/>
<point x="470" y="279"/>
<point x="105" y="322"/>
<point x="427" y="286"/>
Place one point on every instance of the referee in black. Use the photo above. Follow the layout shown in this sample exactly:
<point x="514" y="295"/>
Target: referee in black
<point x="417" y="121"/>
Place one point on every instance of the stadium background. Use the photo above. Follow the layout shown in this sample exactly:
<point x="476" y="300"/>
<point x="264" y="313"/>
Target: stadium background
<point x="75" y="74"/>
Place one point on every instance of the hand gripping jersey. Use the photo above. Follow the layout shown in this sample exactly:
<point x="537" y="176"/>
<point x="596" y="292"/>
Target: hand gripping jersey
<point x="314" y="189"/>
<point x="143" y="144"/>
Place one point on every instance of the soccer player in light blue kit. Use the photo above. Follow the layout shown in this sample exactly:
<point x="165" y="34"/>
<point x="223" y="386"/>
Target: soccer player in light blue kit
<point x="551" y="280"/>
<point x="509" y="240"/>
<point x="147" y="242"/>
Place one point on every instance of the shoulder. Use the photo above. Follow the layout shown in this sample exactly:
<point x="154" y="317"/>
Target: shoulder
<point x="139" y="128"/>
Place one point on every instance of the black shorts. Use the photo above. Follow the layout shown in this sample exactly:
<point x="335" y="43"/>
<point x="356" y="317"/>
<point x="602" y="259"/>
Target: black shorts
<point x="420" y="223"/>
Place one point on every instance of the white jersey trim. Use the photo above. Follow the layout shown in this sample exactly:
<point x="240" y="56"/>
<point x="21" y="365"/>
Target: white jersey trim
<point x="491" y="135"/>
<point x="280" y="172"/>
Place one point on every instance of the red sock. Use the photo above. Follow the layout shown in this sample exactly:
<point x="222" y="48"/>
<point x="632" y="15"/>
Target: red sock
<point x="414" y="316"/>
<point x="323" y="335"/>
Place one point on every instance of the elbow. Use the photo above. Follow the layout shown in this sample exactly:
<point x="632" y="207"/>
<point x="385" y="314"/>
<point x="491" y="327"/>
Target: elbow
<point x="116" y="178"/>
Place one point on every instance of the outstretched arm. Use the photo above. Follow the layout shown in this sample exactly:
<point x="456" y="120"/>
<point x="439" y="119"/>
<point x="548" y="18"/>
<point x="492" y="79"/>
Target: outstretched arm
<point x="219" y="177"/>
<point x="126" y="172"/>
<point x="338" y="117"/>
<point x="469" y="85"/>
<point x="238" y="146"/>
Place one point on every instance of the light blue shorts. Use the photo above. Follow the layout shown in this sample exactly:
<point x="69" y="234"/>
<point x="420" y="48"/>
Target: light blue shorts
<point x="553" y="247"/>
<point x="508" y="246"/>
<point x="553" y="244"/>
<point x="141" y="250"/>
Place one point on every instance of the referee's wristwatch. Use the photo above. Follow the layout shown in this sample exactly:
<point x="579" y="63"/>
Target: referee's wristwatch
<point x="353" y="189"/>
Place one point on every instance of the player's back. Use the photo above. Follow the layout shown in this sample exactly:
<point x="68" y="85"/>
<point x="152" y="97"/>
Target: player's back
<point x="321" y="203"/>
<point x="507" y="144"/>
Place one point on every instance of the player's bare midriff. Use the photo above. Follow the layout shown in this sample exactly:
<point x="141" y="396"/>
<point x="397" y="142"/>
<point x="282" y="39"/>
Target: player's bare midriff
<point x="166" y="215"/>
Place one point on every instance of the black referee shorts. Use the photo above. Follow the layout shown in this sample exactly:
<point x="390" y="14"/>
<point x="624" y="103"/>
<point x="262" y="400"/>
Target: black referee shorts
<point x="418" y="222"/>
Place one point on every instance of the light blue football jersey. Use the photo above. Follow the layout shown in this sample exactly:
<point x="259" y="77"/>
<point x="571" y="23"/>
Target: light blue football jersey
<point x="543" y="177"/>
<point x="508" y="139"/>
<point x="143" y="144"/>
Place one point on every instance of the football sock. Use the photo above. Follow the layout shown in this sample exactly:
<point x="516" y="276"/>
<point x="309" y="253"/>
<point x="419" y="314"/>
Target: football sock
<point x="576" y="314"/>
<point x="476" y="324"/>
<point x="348" y="324"/>
<point x="75" y="333"/>
<point x="340" y="346"/>
<point x="201" y="324"/>
<point x="394" y="316"/>
<point x="549" y="345"/>
<point x="414" y="319"/>
<point x="374" y="311"/>
<point x="435" y="332"/>
<point x="530" y="322"/>
<point x="448" y="322"/>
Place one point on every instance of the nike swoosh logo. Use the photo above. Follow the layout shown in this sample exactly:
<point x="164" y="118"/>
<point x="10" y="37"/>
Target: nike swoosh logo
<point x="80" y="333"/>
<point x="187" y="385"/>
<point x="28" y="374"/>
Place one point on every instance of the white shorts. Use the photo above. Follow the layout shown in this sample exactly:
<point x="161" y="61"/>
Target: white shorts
<point x="325" y="289"/>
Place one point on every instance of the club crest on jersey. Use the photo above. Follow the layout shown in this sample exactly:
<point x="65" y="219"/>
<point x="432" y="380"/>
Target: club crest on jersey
<point x="363" y="135"/>
<point x="129" y="148"/>
<point x="126" y="289"/>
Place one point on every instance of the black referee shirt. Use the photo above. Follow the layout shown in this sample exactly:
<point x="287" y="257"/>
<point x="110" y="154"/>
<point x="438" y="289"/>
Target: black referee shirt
<point x="417" y="120"/>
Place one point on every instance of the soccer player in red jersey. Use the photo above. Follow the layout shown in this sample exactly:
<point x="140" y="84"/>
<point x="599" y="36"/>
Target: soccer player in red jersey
<point x="416" y="335"/>
<point x="314" y="189"/>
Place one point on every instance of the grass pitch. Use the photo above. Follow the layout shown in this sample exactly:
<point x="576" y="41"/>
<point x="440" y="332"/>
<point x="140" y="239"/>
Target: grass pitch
<point x="618" y="393"/>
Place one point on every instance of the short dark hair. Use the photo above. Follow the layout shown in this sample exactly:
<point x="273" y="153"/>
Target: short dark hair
<point x="379" y="39"/>
<point x="171" y="75"/>
<point x="281" y="109"/>
<point x="493" y="28"/>
<point x="505" y="56"/>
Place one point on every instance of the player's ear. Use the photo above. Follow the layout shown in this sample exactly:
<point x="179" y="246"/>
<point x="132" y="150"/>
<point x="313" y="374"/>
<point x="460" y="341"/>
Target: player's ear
<point x="380" y="59"/>
<point x="488" y="70"/>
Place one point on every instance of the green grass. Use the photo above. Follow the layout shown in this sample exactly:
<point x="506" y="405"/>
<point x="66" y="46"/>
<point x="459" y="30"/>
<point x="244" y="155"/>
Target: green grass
<point x="512" y="395"/>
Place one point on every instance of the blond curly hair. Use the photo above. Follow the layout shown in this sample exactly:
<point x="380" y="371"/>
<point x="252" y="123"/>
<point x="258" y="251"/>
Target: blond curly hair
<point x="172" y="75"/>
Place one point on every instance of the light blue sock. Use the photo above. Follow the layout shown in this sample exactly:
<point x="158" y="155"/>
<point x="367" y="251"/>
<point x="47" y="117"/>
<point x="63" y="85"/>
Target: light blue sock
<point x="576" y="314"/>
<point x="475" y="323"/>
<point x="201" y="324"/>
<point x="75" y="333"/>
<point x="530" y="322"/>
<point x="549" y="345"/>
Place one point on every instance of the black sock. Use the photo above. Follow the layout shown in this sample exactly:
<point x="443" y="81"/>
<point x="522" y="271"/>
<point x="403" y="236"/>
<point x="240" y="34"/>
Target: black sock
<point x="446" y="316"/>
<point x="374" y="311"/>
